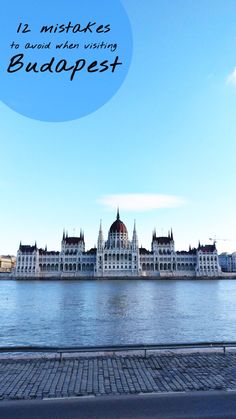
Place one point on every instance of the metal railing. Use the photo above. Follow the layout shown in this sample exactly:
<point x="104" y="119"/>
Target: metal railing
<point x="117" y="348"/>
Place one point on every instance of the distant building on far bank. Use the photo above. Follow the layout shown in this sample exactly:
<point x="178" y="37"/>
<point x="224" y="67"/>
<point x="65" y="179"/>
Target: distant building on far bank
<point x="7" y="263"/>
<point x="117" y="257"/>
<point x="227" y="262"/>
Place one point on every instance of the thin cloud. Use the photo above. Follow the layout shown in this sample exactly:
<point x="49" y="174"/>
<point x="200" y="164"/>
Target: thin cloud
<point x="141" y="202"/>
<point x="231" y="79"/>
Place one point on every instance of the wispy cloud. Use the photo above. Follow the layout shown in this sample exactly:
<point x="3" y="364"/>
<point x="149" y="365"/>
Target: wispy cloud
<point x="231" y="79"/>
<point x="141" y="201"/>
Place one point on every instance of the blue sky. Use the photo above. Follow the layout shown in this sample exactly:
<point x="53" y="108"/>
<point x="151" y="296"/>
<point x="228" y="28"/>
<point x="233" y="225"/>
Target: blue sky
<point x="169" y="130"/>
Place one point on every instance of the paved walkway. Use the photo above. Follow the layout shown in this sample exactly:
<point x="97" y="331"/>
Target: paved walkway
<point x="114" y="375"/>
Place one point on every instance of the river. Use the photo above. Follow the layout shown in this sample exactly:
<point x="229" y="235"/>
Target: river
<point x="75" y="313"/>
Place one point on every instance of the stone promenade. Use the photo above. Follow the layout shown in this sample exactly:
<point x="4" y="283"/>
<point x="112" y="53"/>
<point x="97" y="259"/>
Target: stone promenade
<point x="114" y="375"/>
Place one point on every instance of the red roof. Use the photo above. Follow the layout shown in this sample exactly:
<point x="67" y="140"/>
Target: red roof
<point x="163" y="240"/>
<point x="27" y="249"/>
<point x="118" y="226"/>
<point x="208" y="248"/>
<point x="73" y="240"/>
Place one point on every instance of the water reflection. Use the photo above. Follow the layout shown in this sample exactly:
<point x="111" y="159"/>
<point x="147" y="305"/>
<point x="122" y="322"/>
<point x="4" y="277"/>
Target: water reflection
<point x="114" y="312"/>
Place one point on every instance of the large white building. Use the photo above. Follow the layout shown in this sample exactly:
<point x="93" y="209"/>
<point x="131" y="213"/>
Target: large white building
<point x="118" y="256"/>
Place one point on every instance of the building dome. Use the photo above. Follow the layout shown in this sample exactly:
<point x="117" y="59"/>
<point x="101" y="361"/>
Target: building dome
<point x="118" y="226"/>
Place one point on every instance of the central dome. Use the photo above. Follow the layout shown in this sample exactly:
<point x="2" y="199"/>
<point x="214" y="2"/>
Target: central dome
<point x="118" y="226"/>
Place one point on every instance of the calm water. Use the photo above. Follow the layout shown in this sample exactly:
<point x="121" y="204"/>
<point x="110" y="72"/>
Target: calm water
<point x="115" y="312"/>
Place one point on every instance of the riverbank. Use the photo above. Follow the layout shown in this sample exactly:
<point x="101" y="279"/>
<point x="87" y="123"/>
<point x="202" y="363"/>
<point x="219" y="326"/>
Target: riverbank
<point x="138" y="278"/>
<point x="78" y="376"/>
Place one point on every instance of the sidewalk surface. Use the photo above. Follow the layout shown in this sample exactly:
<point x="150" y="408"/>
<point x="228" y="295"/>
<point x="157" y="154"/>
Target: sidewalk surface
<point x="114" y="375"/>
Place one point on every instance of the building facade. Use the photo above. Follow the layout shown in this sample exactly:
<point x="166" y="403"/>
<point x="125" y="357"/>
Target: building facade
<point x="228" y="262"/>
<point x="118" y="256"/>
<point x="7" y="263"/>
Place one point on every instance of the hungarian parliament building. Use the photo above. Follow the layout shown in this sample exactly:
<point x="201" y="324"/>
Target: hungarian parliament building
<point x="117" y="257"/>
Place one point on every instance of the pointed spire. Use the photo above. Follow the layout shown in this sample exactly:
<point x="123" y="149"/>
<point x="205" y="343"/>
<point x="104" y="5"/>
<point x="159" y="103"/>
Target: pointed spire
<point x="118" y="214"/>
<point x="81" y="235"/>
<point x="154" y="234"/>
<point x="66" y="234"/>
<point x="63" y="236"/>
<point x="100" y="242"/>
<point x="169" y="234"/>
<point x="46" y="248"/>
<point x="35" y="244"/>
<point x="135" y="237"/>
